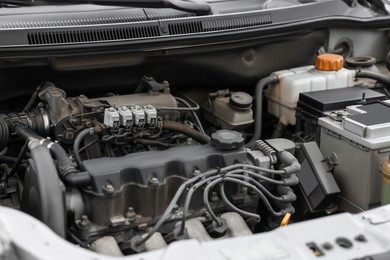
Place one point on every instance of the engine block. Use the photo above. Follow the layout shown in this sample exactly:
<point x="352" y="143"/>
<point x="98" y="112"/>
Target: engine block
<point x="112" y="201"/>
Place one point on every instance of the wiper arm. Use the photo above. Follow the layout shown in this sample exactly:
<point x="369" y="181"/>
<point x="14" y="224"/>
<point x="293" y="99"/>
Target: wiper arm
<point x="200" y="8"/>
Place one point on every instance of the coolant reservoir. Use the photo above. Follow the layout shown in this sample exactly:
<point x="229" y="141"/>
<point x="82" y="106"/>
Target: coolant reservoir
<point x="328" y="73"/>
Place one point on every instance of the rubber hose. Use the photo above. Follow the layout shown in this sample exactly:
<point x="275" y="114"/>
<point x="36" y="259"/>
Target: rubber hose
<point x="373" y="75"/>
<point x="66" y="166"/>
<point x="26" y="133"/>
<point x="7" y="159"/>
<point x="193" y="112"/>
<point x="66" y="169"/>
<point x="51" y="209"/>
<point x="76" y="146"/>
<point x="34" y="96"/>
<point x="16" y="164"/>
<point x="152" y="142"/>
<point x="4" y="134"/>
<point x="57" y="151"/>
<point x="32" y="100"/>
<point x="77" y="179"/>
<point x="261" y="84"/>
<point x="186" y="130"/>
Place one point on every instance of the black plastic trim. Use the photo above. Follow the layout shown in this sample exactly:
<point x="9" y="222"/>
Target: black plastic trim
<point x="96" y="34"/>
<point x="191" y="32"/>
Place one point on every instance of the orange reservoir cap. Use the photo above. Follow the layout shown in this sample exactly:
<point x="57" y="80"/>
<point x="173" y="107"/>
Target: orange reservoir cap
<point x="329" y="62"/>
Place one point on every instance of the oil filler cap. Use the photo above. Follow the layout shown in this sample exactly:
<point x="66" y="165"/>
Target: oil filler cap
<point x="329" y="62"/>
<point x="227" y="140"/>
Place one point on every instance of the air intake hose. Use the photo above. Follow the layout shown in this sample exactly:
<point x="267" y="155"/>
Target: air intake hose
<point x="66" y="168"/>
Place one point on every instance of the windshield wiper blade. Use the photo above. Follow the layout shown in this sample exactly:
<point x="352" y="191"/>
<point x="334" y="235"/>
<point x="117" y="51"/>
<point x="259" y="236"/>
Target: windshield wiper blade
<point x="199" y="8"/>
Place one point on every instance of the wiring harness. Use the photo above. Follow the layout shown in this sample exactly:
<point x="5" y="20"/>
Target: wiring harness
<point x="246" y="175"/>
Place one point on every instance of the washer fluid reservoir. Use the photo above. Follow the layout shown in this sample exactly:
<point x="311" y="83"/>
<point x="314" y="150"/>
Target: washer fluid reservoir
<point x="328" y="73"/>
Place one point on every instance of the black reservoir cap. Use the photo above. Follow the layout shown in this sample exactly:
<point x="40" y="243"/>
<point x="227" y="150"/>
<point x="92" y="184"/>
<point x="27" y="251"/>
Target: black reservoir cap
<point x="241" y="100"/>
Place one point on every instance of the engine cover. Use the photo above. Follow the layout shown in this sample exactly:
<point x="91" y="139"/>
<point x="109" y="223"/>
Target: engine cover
<point x="119" y="183"/>
<point x="153" y="176"/>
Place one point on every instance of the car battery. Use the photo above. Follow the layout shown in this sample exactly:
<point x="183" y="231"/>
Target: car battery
<point x="361" y="142"/>
<point x="313" y="105"/>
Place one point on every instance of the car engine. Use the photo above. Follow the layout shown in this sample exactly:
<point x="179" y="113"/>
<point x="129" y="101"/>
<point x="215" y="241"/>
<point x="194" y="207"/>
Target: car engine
<point x="112" y="151"/>
<point x="125" y="151"/>
<point x="128" y="173"/>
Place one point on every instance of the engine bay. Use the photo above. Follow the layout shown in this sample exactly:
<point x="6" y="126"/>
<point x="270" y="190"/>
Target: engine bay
<point x="134" y="172"/>
<point x="126" y="153"/>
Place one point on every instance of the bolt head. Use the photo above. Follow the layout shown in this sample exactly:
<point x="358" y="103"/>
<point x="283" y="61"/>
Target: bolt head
<point x="109" y="188"/>
<point x="142" y="226"/>
<point x="130" y="214"/>
<point x="154" y="181"/>
<point x="84" y="221"/>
